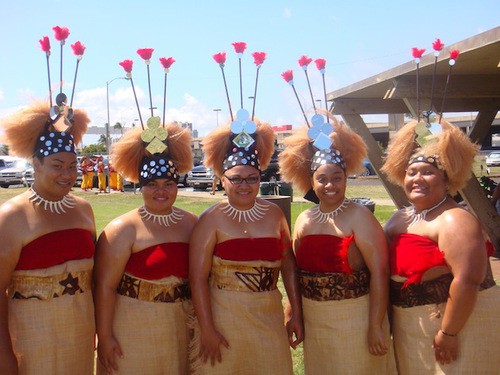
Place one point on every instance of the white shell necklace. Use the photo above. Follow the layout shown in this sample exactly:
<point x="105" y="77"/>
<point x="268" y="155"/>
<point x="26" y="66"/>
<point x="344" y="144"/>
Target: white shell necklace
<point x="166" y="220"/>
<point x="322" y="217"/>
<point x="415" y="217"/>
<point x="256" y="212"/>
<point x="53" y="206"/>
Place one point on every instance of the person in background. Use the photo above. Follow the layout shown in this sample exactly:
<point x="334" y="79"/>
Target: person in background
<point x="101" y="175"/>
<point x="444" y="300"/>
<point x="112" y="176"/>
<point x="342" y="258"/>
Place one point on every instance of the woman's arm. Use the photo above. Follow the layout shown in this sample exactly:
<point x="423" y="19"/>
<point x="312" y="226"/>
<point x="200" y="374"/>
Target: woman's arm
<point x="202" y="243"/>
<point x="10" y="250"/>
<point x="370" y="240"/>
<point x="113" y="251"/>
<point x="295" y="323"/>
<point x="461" y="240"/>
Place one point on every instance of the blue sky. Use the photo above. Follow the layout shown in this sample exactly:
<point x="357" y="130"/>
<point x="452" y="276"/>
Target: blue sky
<point x="357" y="38"/>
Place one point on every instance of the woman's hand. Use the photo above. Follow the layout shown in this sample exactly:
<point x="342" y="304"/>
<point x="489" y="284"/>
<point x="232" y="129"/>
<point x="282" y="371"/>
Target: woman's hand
<point x="210" y="346"/>
<point x="8" y="363"/>
<point x="445" y="348"/>
<point x="107" y="350"/>
<point x="295" y="326"/>
<point x="377" y="343"/>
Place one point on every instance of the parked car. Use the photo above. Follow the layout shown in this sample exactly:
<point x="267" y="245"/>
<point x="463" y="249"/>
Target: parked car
<point x="7" y="161"/>
<point x="13" y="175"/>
<point x="201" y="178"/>
<point x="183" y="179"/>
<point x="272" y="172"/>
<point x="493" y="159"/>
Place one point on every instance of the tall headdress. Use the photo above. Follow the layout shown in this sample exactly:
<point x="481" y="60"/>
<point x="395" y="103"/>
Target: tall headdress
<point x="41" y="130"/>
<point x="158" y="150"/>
<point x="325" y="142"/>
<point x="430" y="138"/>
<point x="246" y="141"/>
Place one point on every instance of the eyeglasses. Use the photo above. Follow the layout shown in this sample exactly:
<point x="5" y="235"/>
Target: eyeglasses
<point x="240" y="180"/>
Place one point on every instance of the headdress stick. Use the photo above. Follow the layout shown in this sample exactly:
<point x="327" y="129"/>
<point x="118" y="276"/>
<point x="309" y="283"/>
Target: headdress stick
<point x="304" y="61"/>
<point x="78" y="50"/>
<point x="239" y="48"/>
<point x="417" y="54"/>
<point x="288" y="77"/>
<point x="127" y="66"/>
<point x="45" y="46"/>
<point x="259" y="58"/>
<point x="166" y="63"/>
<point x="320" y="64"/>
<point x="61" y="33"/>
<point x="437" y="46"/>
<point x="220" y="58"/>
<point x="145" y="54"/>
<point x="453" y="58"/>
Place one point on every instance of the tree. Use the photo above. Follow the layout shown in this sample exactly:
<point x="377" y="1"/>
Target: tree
<point x="118" y="125"/>
<point x="102" y="140"/>
<point x="94" y="149"/>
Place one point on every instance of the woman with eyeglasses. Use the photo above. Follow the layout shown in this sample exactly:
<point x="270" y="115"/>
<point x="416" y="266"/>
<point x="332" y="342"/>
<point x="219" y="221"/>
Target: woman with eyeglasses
<point x="341" y="257"/>
<point x="141" y="288"/>
<point x="237" y="250"/>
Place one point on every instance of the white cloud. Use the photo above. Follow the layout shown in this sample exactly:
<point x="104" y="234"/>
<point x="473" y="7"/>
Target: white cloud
<point x="287" y="13"/>
<point x="2" y="95"/>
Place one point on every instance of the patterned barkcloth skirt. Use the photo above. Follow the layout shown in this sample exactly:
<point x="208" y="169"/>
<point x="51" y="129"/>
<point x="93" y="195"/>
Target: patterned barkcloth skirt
<point x="51" y="319"/>
<point x="336" y="328"/>
<point x="414" y="329"/>
<point x="248" y="312"/>
<point x="150" y="324"/>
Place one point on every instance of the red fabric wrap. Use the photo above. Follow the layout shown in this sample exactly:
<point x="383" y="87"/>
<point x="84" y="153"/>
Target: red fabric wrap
<point x="246" y="249"/>
<point x="412" y="255"/>
<point x="324" y="253"/>
<point x="56" y="248"/>
<point x="159" y="261"/>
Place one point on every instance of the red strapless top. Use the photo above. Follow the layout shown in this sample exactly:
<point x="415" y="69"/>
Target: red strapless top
<point x="56" y="248"/>
<point x="246" y="249"/>
<point x="412" y="255"/>
<point x="324" y="253"/>
<point x="159" y="261"/>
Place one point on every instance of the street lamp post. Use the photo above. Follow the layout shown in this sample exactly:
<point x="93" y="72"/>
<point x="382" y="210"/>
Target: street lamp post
<point x="217" y="110"/>
<point x="107" y="108"/>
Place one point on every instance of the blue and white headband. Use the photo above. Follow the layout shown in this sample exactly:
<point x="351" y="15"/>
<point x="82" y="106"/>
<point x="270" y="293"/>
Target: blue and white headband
<point x="53" y="142"/>
<point x="155" y="167"/>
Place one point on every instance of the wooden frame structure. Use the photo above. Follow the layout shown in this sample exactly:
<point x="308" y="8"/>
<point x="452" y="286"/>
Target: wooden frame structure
<point x="474" y="86"/>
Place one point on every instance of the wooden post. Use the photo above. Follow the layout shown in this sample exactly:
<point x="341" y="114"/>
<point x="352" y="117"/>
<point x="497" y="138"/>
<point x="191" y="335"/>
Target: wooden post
<point x="285" y="203"/>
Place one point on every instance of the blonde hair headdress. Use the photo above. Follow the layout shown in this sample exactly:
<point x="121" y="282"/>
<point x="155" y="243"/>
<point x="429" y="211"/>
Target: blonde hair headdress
<point x="44" y="129"/>
<point x="246" y="141"/>
<point x="159" y="150"/>
<point x="330" y="142"/>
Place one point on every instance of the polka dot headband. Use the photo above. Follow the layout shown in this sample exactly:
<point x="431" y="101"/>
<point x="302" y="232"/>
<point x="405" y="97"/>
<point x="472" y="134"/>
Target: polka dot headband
<point x="155" y="167"/>
<point x="432" y="160"/>
<point x="53" y="142"/>
<point x="327" y="156"/>
<point x="241" y="156"/>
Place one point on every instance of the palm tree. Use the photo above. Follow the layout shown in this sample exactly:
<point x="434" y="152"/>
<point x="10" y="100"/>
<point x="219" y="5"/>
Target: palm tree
<point x="118" y="125"/>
